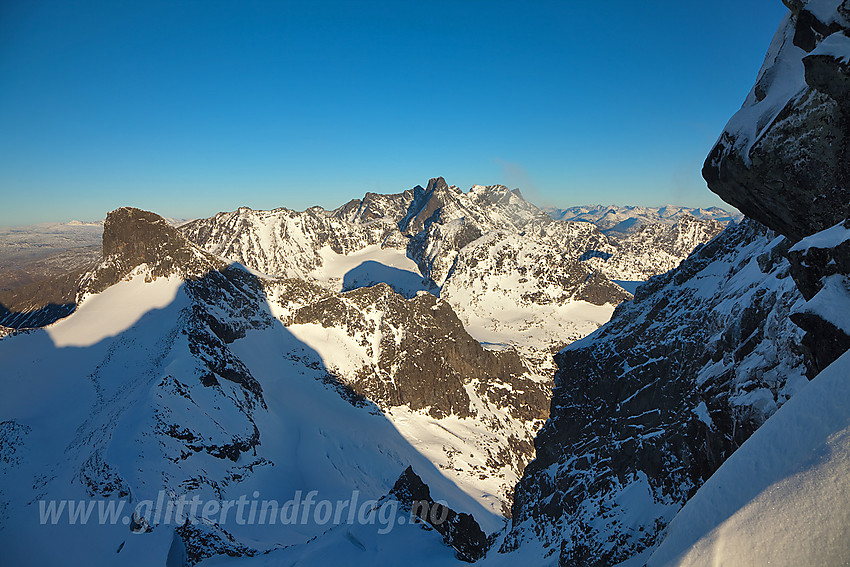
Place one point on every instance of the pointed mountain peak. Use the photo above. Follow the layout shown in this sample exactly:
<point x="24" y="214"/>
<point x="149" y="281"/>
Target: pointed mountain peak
<point x="436" y="183"/>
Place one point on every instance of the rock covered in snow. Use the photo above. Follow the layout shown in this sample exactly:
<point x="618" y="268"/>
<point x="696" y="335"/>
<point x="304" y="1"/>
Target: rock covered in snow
<point x="782" y="158"/>
<point x="820" y="265"/>
<point x="460" y="531"/>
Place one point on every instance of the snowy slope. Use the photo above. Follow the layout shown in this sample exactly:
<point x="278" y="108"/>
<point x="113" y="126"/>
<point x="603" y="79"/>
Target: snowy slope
<point x="438" y="386"/>
<point x="783" y="498"/>
<point x="186" y="375"/>
<point x="123" y="418"/>
<point x="450" y="243"/>
<point x="511" y="289"/>
<point x="287" y="243"/>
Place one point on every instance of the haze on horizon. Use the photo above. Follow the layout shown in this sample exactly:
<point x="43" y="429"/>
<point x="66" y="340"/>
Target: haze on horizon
<point x="192" y="108"/>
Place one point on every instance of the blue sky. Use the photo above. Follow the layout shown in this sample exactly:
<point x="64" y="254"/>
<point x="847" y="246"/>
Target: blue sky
<point x="189" y="108"/>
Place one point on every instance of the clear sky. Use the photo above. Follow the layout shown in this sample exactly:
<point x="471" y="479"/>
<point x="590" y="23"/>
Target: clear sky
<point x="189" y="108"/>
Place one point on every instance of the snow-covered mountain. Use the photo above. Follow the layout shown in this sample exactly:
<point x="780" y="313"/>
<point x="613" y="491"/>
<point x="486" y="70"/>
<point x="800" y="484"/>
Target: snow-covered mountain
<point x="615" y="219"/>
<point x="647" y="407"/>
<point x="180" y="372"/>
<point x="507" y="268"/>
<point x="220" y="326"/>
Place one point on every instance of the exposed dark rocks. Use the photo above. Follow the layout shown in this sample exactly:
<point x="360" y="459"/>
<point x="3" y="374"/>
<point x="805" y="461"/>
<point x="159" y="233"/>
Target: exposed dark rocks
<point x="459" y="530"/>
<point x="132" y="237"/>
<point x="658" y="398"/>
<point x="375" y="206"/>
<point x="195" y="542"/>
<point x="811" y="266"/>
<point x="426" y="357"/>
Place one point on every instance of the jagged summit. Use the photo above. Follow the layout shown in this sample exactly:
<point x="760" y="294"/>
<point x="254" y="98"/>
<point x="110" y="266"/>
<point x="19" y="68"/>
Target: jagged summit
<point x="436" y="183"/>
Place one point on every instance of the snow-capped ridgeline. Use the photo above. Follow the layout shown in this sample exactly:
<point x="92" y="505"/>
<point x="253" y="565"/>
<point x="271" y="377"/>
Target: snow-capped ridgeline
<point x="427" y="239"/>
<point x="179" y="372"/>
<point x="616" y="219"/>
<point x="264" y="351"/>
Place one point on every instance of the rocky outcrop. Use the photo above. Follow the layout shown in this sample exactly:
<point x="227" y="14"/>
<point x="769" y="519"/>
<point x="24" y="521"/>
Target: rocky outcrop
<point x="133" y="237"/>
<point x="820" y="265"/>
<point x="414" y="355"/>
<point x="782" y="159"/>
<point x="423" y="357"/>
<point x="459" y="530"/>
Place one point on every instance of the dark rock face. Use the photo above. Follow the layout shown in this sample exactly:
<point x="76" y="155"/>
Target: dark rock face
<point x="426" y="357"/>
<point x="815" y="267"/>
<point x="132" y="237"/>
<point x="193" y="543"/>
<point x="783" y="158"/>
<point x="375" y="206"/>
<point x="459" y="530"/>
<point x="790" y="169"/>
<point x="811" y="264"/>
<point x="648" y="407"/>
<point x="415" y="355"/>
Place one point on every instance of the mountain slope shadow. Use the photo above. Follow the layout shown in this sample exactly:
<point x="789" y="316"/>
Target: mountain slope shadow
<point x="370" y="272"/>
<point x="208" y="396"/>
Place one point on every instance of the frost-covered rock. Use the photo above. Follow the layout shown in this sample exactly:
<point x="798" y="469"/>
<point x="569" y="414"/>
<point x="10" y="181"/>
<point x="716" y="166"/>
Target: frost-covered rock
<point x="645" y="409"/>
